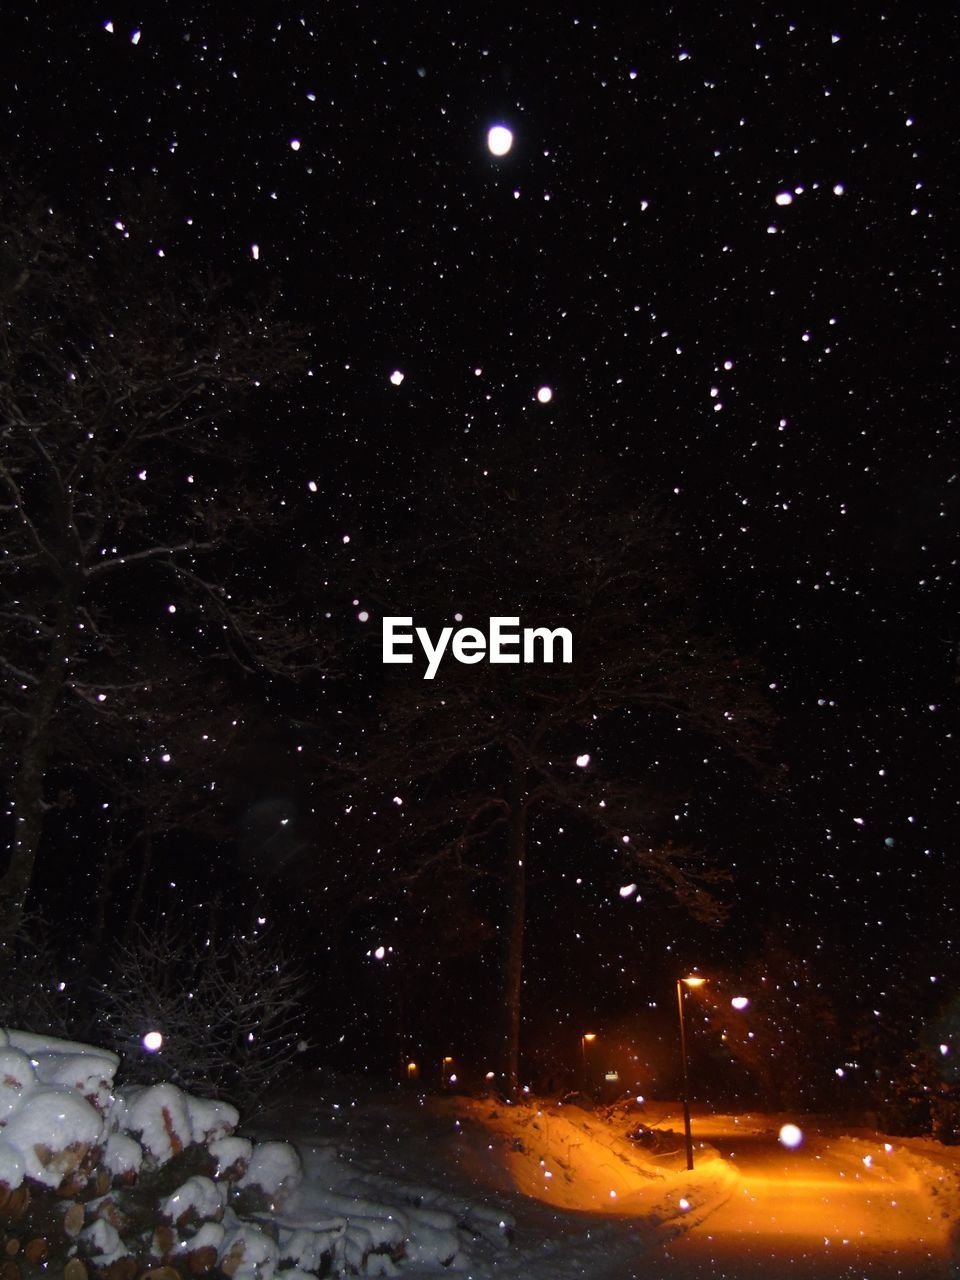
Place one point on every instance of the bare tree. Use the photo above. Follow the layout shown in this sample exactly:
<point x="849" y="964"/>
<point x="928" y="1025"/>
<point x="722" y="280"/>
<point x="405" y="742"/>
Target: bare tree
<point x="230" y="1011"/>
<point x="122" y="494"/>
<point x="446" y="777"/>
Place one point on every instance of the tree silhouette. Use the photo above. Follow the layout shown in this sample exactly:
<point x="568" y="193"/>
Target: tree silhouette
<point x="445" y="777"/>
<point x="122" y="491"/>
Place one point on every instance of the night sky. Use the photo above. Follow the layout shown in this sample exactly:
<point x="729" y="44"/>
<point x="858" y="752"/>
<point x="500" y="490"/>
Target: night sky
<point x="720" y="240"/>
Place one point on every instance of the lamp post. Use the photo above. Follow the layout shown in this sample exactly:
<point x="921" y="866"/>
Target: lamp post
<point x="588" y="1037"/>
<point x="690" y="982"/>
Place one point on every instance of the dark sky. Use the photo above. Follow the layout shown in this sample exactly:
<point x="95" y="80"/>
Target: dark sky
<point x="719" y="238"/>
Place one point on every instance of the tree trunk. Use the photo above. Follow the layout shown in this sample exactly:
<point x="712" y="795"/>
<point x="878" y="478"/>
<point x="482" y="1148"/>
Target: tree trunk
<point x="27" y="788"/>
<point x="146" y="865"/>
<point x="95" y="951"/>
<point x="516" y="918"/>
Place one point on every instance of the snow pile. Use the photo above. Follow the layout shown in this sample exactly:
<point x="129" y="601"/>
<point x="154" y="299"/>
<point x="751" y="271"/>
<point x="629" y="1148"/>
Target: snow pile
<point x="122" y="1181"/>
<point x="579" y="1160"/>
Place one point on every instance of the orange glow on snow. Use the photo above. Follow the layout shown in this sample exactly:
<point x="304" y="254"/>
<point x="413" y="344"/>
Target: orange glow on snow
<point x="852" y="1199"/>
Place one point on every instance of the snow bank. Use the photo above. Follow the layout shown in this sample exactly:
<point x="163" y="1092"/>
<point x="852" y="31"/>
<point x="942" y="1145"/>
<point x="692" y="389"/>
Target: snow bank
<point x="577" y="1160"/>
<point x="273" y="1168"/>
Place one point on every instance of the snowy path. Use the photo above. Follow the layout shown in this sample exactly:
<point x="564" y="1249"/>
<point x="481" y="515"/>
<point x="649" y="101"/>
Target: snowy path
<point x="837" y="1207"/>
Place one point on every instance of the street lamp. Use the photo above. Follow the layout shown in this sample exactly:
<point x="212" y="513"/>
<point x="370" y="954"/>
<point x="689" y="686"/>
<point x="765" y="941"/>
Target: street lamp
<point x="690" y="982"/>
<point x="588" y="1037"/>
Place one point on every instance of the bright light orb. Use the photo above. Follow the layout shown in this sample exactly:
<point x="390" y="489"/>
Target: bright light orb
<point x="783" y="198"/>
<point x="739" y="1002"/>
<point x="790" y="1136"/>
<point x="499" y="140"/>
<point x="152" y="1041"/>
<point x="545" y="395"/>
<point x="583" y="761"/>
<point x="396" y="377"/>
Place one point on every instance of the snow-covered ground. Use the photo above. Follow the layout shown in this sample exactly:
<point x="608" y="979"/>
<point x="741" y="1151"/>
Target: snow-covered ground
<point x="843" y="1204"/>
<point x="338" y="1181"/>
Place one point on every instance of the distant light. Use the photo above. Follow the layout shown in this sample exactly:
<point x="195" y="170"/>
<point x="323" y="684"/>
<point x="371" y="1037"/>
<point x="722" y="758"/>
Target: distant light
<point x="545" y="395"/>
<point x="612" y="1076"/>
<point x="380" y="952"/>
<point x="783" y="197"/>
<point x="790" y="1135"/>
<point x="108" y="26"/>
<point x="453" y="1079"/>
<point x="312" y="486"/>
<point x="499" y="140"/>
<point x="489" y="1076"/>
<point x="135" y="37"/>
<point x="944" y="1050"/>
<point x="255" y="252"/>
<point x="152" y="1041"/>
<point x="739" y="1002"/>
<point x="294" y="144"/>
<point x="838" y="189"/>
<point x="396" y="377"/>
<point x="627" y="889"/>
<point x="590" y="1036"/>
<point x="684" y="1203"/>
<point x="693" y="981"/>
<point x="583" y="761"/>
<point x="363" y="616"/>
